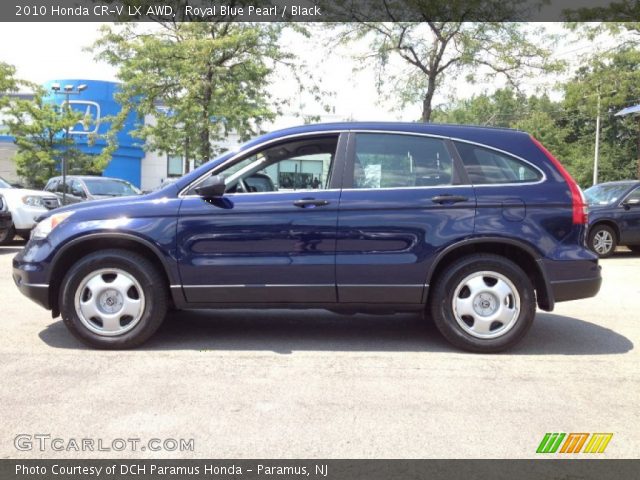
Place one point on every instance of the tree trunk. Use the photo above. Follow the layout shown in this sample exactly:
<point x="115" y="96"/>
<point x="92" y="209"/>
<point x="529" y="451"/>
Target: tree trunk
<point x="427" y="108"/>
<point x="205" y="136"/>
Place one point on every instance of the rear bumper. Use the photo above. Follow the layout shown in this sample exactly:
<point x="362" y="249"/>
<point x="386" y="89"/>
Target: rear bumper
<point x="566" y="290"/>
<point x="569" y="280"/>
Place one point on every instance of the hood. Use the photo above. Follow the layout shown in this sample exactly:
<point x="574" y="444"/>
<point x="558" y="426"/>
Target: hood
<point x="115" y="202"/>
<point x="21" y="192"/>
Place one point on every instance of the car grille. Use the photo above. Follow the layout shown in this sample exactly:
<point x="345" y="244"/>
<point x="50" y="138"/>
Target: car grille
<point x="51" y="202"/>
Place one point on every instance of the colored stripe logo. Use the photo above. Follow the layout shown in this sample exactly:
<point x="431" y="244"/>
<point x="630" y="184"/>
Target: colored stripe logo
<point x="574" y="442"/>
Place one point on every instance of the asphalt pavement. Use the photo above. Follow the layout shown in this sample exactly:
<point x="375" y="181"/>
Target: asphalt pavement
<point x="312" y="384"/>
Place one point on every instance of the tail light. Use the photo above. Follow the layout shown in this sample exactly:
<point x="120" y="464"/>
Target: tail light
<point x="580" y="215"/>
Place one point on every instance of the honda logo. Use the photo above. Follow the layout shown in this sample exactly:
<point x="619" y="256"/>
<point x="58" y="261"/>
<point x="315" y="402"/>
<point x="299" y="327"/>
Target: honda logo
<point x="90" y="120"/>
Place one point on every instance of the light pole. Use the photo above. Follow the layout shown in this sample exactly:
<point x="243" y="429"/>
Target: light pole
<point x="68" y="90"/>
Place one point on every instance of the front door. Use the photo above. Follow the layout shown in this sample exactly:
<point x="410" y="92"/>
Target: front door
<point x="405" y="202"/>
<point x="271" y="238"/>
<point x="630" y="216"/>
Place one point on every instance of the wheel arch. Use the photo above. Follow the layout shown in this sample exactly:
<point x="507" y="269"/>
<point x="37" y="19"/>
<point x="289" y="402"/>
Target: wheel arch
<point x="522" y="254"/>
<point x="87" y="244"/>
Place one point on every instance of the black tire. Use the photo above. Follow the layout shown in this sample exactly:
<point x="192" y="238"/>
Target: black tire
<point x="442" y="303"/>
<point x="596" y="233"/>
<point x="154" y="294"/>
<point x="8" y="236"/>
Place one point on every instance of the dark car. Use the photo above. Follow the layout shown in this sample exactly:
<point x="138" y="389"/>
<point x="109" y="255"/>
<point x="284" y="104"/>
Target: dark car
<point x="614" y="216"/>
<point x="5" y="222"/>
<point x="474" y="225"/>
<point x="80" y="188"/>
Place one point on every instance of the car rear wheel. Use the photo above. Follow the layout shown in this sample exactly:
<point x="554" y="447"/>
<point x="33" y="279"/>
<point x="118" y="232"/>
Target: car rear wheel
<point x="113" y="299"/>
<point x="602" y="240"/>
<point x="483" y="303"/>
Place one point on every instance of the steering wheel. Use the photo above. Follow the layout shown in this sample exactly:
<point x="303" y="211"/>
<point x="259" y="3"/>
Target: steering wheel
<point x="242" y="186"/>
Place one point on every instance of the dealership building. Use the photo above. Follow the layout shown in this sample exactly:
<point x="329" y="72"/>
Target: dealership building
<point x="145" y="169"/>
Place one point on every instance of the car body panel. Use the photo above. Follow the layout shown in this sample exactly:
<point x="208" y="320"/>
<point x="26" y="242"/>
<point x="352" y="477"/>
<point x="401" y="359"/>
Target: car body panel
<point x="624" y="218"/>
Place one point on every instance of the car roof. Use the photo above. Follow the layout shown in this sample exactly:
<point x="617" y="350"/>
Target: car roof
<point x="87" y="177"/>
<point x="619" y="182"/>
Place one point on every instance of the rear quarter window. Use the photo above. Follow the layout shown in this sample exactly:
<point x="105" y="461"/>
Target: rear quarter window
<point x="485" y="166"/>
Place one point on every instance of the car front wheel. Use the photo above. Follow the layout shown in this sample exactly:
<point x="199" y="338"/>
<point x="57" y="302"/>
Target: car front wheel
<point x="7" y="236"/>
<point x="113" y="299"/>
<point x="483" y="303"/>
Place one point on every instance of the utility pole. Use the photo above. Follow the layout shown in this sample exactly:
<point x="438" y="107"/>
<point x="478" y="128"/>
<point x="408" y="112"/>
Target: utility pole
<point x="68" y="91"/>
<point x="597" y="149"/>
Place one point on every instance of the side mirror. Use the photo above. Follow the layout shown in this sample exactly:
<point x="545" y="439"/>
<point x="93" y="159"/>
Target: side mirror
<point x="212" y="187"/>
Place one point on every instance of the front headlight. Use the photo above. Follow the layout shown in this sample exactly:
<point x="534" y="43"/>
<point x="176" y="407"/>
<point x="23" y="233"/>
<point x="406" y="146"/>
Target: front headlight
<point x="45" y="227"/>
<point x="32" y="201"/>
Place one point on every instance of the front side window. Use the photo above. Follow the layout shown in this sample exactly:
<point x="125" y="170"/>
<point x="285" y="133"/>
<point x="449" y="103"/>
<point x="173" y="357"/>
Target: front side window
<point x="296" y="165"/>
<point x="400" y="161"/>
<point x="634" y="197"/>
<point x="485" y="166"/>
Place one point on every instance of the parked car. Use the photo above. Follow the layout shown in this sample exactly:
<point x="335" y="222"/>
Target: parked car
<point x="5" y="221"/>
<point x="86" y="187"/>
<point x="474" y="225"/>
<point x="614" y="216"/>
<point x="25" y="207"/>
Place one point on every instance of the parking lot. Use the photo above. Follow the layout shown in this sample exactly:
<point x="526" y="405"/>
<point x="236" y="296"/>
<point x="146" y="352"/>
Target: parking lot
<point x="314" y="384"/>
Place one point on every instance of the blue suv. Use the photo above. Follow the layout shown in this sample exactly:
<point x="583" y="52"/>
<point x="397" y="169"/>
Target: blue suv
<point x="475" y="226"/>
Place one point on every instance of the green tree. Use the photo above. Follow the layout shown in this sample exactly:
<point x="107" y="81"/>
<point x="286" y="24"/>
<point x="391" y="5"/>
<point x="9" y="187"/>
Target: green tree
<point x="435" y="53"/>
<point x="199" y="81"/>
<point x="615" y="78"/>
<point x="39" y="126"/>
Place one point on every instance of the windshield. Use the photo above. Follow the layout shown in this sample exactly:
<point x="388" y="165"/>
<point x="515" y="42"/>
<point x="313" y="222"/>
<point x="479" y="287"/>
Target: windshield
<point x="4" y="183"/>
<point x="605" y="194"/>
<point x="113" y="188"/>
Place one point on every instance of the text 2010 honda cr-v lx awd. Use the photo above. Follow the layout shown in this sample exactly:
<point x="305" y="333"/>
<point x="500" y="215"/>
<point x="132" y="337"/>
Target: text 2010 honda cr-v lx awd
<point x="474" y="225"/>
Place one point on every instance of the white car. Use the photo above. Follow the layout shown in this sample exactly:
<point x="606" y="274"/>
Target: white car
<point x="25" y="207"/>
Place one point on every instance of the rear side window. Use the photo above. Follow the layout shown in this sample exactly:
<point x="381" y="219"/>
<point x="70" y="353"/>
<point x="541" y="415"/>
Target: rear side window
<point x="485" y="166"/>
<point x="400" y="161"/>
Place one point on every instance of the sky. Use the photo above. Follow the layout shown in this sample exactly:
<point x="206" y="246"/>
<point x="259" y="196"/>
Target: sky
<point x="46" y="51"/>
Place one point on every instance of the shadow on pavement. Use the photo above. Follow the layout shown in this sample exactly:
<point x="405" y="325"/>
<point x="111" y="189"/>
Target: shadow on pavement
<point x="12" y="248"/>
<point x="284" y="331"/>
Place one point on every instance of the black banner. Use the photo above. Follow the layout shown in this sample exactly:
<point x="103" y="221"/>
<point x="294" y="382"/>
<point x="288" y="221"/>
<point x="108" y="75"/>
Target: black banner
<point x="574" y="469"/>
<point x="317" y="10"/>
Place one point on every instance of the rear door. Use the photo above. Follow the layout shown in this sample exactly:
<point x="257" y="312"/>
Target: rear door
<point x="405" y="199"/>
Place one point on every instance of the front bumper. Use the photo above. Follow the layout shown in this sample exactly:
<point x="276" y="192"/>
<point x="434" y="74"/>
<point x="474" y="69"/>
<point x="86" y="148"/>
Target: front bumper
<point x="31" y="279"/>
<point x="24" y="217"/>
<point x="39" y="293"/>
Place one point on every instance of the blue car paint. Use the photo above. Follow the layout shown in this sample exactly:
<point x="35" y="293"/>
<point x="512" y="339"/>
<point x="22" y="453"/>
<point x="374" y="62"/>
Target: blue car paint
<point x="364" y="247"/>
<point x="625" y="220"/>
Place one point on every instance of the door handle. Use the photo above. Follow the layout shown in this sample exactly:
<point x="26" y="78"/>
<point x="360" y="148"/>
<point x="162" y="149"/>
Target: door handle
<point x="441" y="199"/>
<point x="310" y="203"/>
